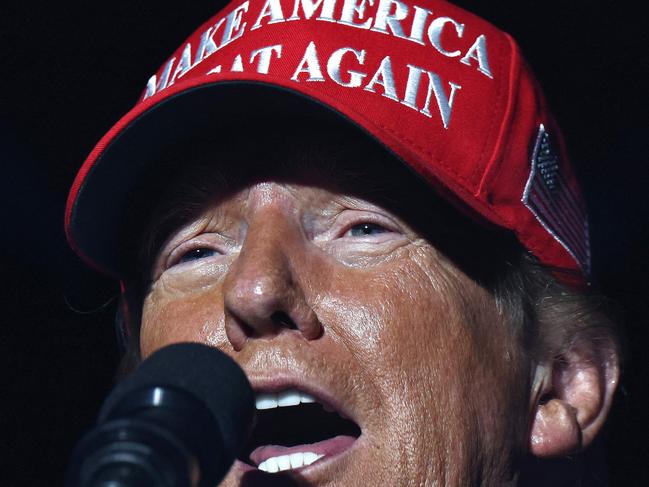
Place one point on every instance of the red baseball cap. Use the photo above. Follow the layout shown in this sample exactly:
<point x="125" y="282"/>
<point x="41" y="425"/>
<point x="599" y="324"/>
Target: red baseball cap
<point x="445" y="91"/>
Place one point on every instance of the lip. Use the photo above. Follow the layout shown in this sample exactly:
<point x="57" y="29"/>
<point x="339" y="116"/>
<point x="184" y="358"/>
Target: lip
<point x="314" y="473"/>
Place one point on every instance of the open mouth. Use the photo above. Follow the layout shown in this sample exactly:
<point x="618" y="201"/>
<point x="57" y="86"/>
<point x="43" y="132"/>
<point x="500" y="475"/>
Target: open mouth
<point x="294" y="429"/>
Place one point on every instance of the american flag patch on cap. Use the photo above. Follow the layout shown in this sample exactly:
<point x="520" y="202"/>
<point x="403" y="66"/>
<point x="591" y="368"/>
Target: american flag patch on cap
<point x="554" y="203"/>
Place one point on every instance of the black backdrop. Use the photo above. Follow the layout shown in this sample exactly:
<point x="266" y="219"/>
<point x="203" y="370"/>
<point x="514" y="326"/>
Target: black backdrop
<point x="69" y="70"/>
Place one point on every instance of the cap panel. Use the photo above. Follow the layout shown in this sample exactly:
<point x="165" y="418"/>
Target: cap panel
<point x="538" y="195"/>
<point x="444" y="90"/>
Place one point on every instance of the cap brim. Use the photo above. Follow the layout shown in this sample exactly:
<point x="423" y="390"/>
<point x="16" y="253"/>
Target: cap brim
<point x="97" y="200"/>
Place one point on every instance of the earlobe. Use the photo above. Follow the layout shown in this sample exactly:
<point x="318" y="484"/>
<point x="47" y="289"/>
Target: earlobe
<point x="555" y="430"/>
<point x="572" y="401"/>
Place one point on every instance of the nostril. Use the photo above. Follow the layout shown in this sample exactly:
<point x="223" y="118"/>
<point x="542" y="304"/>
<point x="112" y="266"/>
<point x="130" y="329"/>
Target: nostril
<point x="247" y="330"/>
<point x="282" y="319"/>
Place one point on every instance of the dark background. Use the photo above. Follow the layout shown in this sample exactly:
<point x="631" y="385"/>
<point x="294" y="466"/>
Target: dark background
<point x="69" y="70"/>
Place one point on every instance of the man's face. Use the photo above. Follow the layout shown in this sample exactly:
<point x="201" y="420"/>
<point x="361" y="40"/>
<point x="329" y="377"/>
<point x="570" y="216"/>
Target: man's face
<point x="314" y="286"/>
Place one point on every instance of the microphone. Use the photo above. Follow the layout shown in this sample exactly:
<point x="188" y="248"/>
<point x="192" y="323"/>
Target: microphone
<point x="178" y="421"/>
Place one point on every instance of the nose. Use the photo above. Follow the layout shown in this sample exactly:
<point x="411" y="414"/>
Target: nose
<point x="263" y="295"/>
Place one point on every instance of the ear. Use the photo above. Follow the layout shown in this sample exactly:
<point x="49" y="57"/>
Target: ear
<point x="571" y="399"/>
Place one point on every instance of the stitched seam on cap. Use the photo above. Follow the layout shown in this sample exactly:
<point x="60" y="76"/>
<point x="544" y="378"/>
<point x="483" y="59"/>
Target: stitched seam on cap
<point x="487" y="139"/>
<point x="512" y="103"/>
<point x="449" y="169"/>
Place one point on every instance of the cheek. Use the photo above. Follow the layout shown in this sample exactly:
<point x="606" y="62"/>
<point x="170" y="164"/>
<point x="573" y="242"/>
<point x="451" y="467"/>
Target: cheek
<point x="402" y="327"/>
<point x="433" y="342"/>
<point x="403" y="317"/>
<point x="174" y="319"/>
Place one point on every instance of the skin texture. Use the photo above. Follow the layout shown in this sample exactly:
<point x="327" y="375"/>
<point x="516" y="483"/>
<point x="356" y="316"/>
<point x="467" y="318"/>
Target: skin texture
<point x="368" y="309"/>
<point x="308" y="281"/>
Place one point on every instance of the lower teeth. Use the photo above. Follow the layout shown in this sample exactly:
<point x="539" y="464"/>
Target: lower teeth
<point x="288" y="462"/>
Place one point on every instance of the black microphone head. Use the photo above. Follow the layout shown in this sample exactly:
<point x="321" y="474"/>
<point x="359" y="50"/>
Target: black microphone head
<point x="208" y="374"/>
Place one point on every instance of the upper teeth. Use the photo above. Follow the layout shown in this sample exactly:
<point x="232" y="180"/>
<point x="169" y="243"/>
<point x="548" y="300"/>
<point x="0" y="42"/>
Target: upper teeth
<point x="282" y="399"/>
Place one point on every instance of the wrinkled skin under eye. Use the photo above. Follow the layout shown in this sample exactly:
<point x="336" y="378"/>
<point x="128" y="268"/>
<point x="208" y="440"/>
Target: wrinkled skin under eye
<point x="358" y="230"/>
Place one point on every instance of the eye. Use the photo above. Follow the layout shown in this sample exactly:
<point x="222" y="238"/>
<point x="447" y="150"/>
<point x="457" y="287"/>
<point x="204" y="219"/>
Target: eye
<point x="196" y="254"/>
<point x="366" y="229"/>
